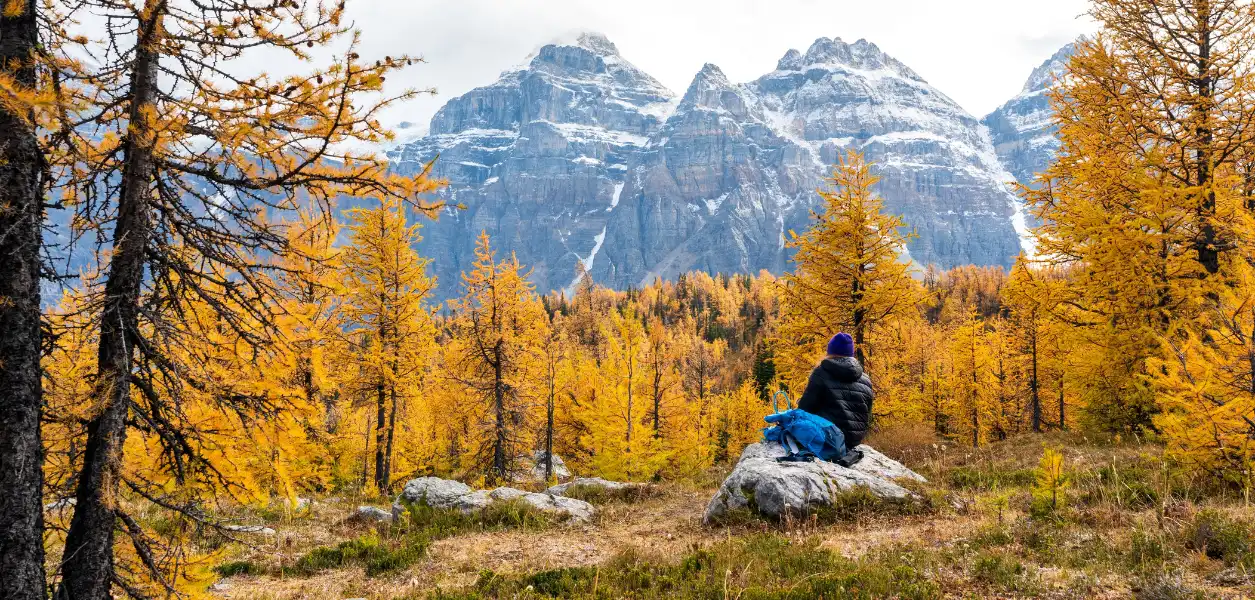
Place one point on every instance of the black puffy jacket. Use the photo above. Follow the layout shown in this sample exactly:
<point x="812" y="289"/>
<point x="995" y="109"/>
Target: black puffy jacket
<point x="841" y="392"/>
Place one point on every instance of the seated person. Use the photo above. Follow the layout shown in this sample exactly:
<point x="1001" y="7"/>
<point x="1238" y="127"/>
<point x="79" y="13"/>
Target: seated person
<point x="839" y="391"/>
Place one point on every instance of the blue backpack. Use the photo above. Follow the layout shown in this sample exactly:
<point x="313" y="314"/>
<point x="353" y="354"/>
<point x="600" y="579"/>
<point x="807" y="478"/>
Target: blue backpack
<point x="805" y="436"/>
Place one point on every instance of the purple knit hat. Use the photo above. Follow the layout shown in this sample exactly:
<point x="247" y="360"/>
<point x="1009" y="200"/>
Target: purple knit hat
<point x="841" y="345"/>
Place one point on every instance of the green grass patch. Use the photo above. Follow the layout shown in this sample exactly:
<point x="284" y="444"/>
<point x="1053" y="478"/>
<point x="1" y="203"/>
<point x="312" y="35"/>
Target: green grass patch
<point x="239" y="567"/>
<point x="628" y="494"/>
<point x="376" y="555"/>
<point x="1149" y="551"/>
<point x="990" y="478"/>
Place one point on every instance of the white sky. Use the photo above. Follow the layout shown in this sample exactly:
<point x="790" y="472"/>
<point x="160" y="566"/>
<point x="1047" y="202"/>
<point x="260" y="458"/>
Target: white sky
<point x="979" y="52"/>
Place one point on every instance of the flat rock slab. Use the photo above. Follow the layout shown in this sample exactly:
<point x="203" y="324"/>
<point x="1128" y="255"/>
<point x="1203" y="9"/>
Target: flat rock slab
<point x="259" y="529"/>
<point x="762" y="485"/>
<point x="454" y="495"/>
<point x="590" y="482"/>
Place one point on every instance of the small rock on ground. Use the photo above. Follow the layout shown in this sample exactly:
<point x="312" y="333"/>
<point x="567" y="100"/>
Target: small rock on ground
<point x="249" y="529"/>
<point x="372" y="513"/>
<point x="534" y="467"/>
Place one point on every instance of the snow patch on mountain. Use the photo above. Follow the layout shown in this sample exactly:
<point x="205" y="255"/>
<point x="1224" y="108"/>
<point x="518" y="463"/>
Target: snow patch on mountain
<point x="614" y="200"/>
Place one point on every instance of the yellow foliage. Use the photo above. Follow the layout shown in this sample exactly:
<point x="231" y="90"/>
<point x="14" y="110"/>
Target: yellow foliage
<point x="848" y="276"/>
<point x="1206" y="383"/>
<point x="1050" y="487"/>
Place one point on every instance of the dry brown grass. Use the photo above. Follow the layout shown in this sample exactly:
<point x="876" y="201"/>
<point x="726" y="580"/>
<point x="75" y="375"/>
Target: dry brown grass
<point x="1085" y="554"/>
<point x="668" y="523"/>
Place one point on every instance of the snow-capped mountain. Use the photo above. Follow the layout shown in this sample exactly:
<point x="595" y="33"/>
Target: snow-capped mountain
<point x="538" y="158"/>
<point x="578" y="156"/>
<point x="1023" y="130"/>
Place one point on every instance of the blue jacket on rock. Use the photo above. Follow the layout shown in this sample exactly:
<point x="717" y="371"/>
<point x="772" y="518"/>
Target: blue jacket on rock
<point x="815" y="436"/>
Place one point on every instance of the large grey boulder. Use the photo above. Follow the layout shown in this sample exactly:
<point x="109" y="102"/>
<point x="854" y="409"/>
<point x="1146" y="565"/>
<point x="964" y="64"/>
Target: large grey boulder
<point x="454" y="495"/>
<point x="535" y="467"/>
<point x="763" y="485"/>
<point x="435" y="492"/>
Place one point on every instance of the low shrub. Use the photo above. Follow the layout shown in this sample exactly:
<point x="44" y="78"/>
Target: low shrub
<point x="239" y="567"/>
<point x="1221" y="538"/>
<point x="1000" y="571"/>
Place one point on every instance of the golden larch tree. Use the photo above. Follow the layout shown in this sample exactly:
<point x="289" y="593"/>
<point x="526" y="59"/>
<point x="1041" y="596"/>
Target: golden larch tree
<point x="499" y="324"/>
<point x="848" y="273"/>
<point x="386" y="291"/>
<point x="183" y="159"/>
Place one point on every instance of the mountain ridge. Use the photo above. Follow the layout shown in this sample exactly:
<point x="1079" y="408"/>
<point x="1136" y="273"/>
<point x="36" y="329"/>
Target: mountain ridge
<point x="579" y="159"/>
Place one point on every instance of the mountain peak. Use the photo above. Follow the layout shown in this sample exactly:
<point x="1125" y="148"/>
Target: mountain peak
<point x="1045" y="74"/>
<point x="862" y="54"/>
<point x="707" y="87"/>
<point x="791" y="61"/>
<point x="713" y="73"/>
<point x="593" y="41"/>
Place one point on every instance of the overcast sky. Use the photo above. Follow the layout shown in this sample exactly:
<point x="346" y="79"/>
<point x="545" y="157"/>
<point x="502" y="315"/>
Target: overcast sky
<point x="979" y="52"/>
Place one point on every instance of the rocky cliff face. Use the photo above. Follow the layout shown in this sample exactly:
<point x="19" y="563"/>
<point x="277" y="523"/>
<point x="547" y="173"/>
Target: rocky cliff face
<point x="580" y="157"/>
<point x="538" y="159"/>
<point x="1022" y="130"/>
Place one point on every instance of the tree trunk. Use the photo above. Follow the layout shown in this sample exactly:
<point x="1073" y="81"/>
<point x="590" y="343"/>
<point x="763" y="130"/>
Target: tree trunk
<point x="392" y="431"/>
<point x="21" y="215"/>
<point x="549" y="410"/>
<point x="860" y="324"/>
<point x="975" y="400"/>
<point x="630" y="417"/>
<point x="657" y="401"/>
<point x="498" y="397"/>
<point x="330" y="409"/>
<point x="1208" y="241"/>
<point x="1063" y="420"/>
<point x="87" y="572"/>
<point x="1248" y="184"/>
<point x="1035" y="395"/>
<point x="365" y="453"/>
<point x="381" y="416"/>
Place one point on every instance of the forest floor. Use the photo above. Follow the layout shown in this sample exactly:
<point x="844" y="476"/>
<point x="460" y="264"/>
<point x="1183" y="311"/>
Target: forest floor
<point x="1129" y="529"/>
